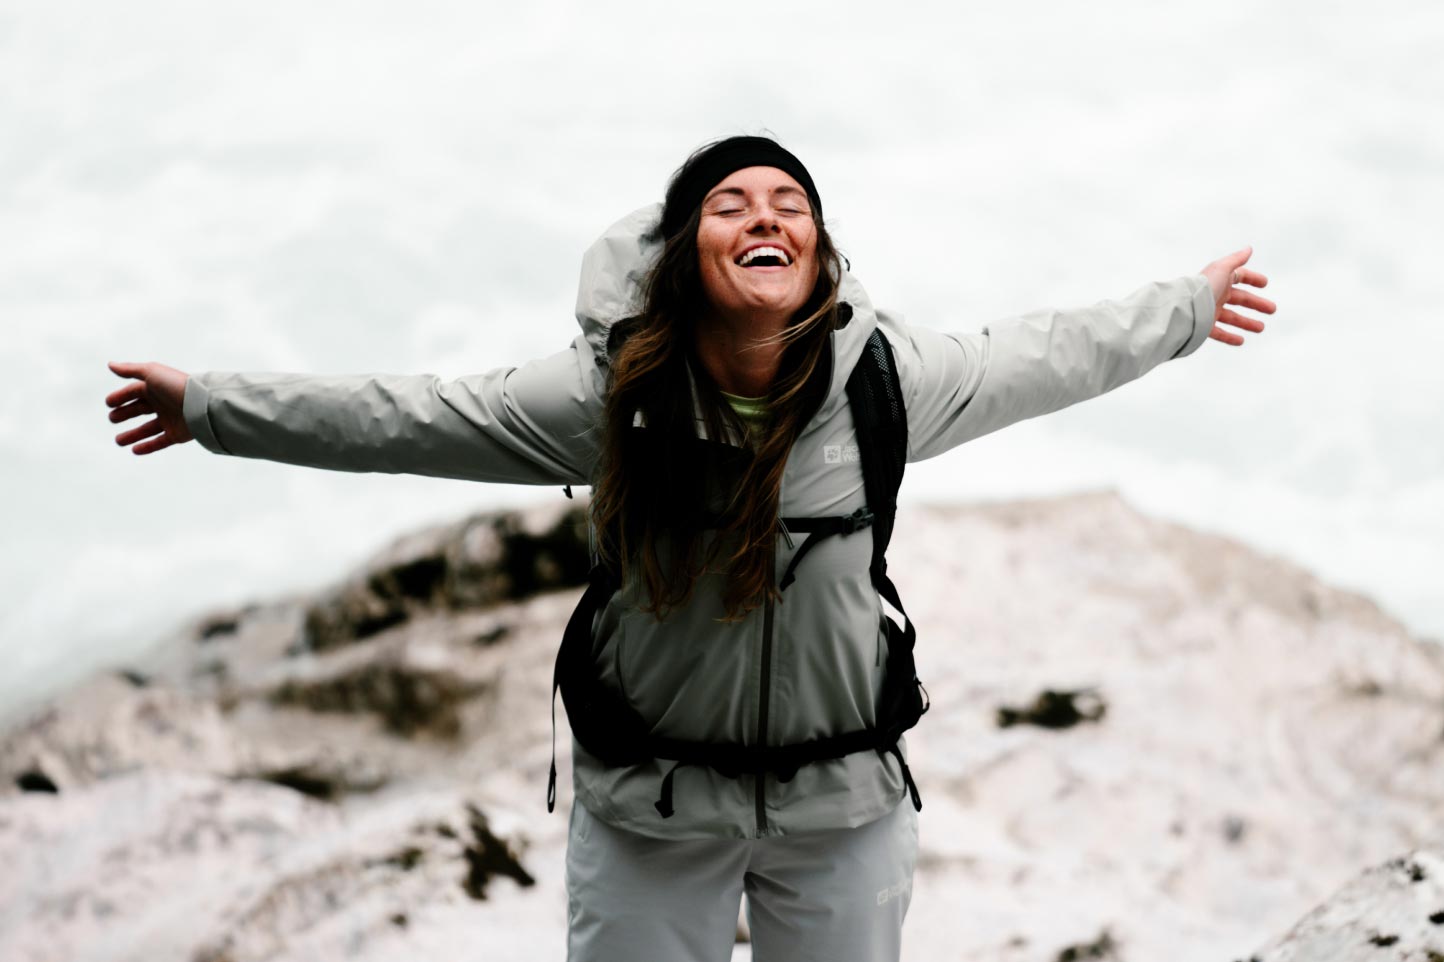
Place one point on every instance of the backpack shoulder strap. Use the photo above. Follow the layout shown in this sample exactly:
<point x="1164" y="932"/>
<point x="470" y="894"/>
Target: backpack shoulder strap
<point x="880" y="419"/>
<point x="874" y="396"/>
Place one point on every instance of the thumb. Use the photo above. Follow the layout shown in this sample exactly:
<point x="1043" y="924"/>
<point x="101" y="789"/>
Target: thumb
<point x="124" y="368"/>
<point x="1240" y="257"/>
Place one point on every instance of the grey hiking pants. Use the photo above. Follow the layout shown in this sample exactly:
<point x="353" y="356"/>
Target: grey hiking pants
<point x="836" y="895"/>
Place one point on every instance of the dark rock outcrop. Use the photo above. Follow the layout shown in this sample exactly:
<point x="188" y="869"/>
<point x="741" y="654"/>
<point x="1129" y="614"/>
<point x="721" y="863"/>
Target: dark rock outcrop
<point x="1056" y="709"/>
<point x="408" y="699"/>
<point x="488" y="856"/>
<point x="487" y="560"/>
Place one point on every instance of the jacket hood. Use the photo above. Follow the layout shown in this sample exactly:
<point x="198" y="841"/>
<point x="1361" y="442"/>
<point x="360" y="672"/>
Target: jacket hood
<point x="615" y="268"/>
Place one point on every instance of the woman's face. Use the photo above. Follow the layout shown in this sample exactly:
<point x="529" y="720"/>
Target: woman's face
<point x="757" y="245"/>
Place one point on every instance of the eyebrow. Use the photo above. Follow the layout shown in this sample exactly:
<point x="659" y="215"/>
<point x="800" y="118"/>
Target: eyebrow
<point x="739" y="192"/>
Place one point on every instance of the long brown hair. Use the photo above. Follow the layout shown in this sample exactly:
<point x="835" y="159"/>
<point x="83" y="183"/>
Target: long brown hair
<point x="650" y="501"/>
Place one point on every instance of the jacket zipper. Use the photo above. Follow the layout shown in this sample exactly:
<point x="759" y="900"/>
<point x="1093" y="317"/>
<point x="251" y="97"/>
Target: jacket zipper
<point x="763" y="701"/>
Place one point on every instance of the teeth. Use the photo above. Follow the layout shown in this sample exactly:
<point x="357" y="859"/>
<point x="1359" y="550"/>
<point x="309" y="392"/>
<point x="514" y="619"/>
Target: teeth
<point x="756" y="252"/>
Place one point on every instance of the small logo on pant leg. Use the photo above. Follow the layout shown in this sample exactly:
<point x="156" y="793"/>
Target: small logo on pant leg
<point x="886" y="895"/>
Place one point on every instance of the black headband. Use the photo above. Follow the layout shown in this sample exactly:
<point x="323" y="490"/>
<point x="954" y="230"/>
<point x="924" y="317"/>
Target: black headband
<point x="706" y="170"/>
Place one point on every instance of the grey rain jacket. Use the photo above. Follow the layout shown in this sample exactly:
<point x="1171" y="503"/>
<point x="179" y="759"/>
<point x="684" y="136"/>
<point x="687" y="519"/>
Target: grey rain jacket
<point x="808" y="666"/>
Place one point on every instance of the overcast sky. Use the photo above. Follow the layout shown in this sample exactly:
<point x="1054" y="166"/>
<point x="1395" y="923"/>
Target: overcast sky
<point x="409" y="187"/>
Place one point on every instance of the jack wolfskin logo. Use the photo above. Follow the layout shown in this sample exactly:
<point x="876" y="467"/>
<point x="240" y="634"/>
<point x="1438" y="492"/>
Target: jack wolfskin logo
<point x="886" y="895"/>
<point x="839" y="453"/>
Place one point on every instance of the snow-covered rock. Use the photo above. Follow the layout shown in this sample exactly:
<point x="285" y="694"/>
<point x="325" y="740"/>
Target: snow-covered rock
<point x="1392" y="911"/>
<point x="1146" y="742"/>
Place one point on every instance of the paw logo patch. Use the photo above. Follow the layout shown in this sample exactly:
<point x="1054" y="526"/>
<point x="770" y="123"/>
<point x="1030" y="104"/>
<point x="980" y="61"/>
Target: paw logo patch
<point x="839" y="453"/>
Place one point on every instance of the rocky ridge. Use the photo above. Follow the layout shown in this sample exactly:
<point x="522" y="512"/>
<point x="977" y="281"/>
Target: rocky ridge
<point x="1146" y="742"/>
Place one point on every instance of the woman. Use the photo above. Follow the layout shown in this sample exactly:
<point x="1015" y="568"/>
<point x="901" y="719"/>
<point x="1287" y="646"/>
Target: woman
<point x="705" y="401"/>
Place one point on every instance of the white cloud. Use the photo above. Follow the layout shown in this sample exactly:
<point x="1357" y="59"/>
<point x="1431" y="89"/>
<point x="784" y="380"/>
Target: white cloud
<point x="319" y="187"/>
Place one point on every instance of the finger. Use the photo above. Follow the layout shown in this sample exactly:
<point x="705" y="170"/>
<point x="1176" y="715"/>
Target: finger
<point x="1219" y="334"/>
<point x="135" y="409"/>
<point x="1251" y="278"/>
<point x="125" y="368"/>
<point x="149" y="447"/>
<point x="1226" y="316"/>
<point x="1250" y="300"/>
<point x="151" y="427"/>
<point x="130" y="392"/>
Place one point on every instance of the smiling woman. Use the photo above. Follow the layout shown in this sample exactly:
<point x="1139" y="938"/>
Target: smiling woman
<point x="745" y="290"/>
<point x="788" y="715"/>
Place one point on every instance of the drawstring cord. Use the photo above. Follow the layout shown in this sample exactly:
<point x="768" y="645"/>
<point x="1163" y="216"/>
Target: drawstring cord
<point x="664" y="800"/>
<point x="907" y="777"/>
<point x="552" y="778"/>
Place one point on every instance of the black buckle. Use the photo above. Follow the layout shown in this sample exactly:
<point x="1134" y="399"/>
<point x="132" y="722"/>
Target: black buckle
<point x="858" y="520"/>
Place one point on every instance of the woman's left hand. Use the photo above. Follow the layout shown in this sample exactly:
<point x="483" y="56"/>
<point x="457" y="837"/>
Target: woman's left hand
<point x="1222" y="275"/>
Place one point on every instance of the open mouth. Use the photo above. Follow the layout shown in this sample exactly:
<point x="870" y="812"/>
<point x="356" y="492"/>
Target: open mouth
<point x="764" y="257"/>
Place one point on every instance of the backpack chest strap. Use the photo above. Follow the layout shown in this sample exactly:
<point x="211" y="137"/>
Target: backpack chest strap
<point x="818" y="528"/>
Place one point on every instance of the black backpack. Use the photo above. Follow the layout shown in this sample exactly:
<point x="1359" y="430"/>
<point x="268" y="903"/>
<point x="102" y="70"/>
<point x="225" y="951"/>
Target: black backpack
<point x="612" y="731"/>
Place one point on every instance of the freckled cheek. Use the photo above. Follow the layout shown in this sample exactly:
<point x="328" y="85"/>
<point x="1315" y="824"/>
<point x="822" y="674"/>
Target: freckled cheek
<point x="808" y="274"/>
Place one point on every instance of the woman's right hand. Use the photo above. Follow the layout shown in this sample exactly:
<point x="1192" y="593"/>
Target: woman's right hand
<point x="157" y="390"/>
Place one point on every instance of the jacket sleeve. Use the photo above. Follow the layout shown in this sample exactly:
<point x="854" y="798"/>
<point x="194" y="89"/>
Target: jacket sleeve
<point x="534" y="424"/>
<point x="961" y="386"/>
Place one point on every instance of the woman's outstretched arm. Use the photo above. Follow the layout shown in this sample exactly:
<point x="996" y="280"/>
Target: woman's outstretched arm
<point x="962" y="386"/>
<point x="533" y="424"/>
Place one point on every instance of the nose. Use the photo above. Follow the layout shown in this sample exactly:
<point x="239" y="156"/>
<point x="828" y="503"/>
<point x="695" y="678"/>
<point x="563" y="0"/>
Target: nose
<point x="763" y="221"/>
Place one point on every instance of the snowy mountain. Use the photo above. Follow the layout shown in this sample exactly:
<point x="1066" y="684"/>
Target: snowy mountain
<point x="1146" y="742"/>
